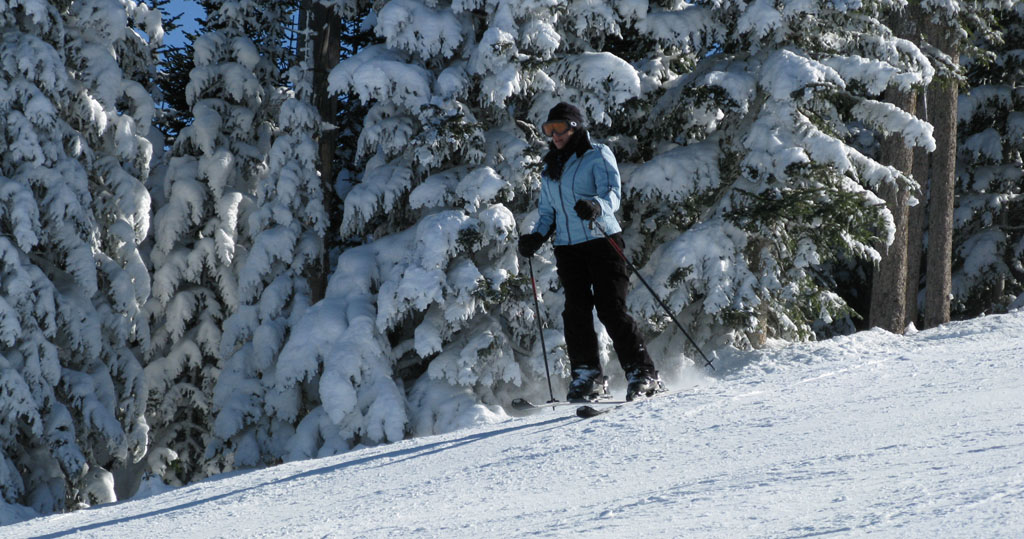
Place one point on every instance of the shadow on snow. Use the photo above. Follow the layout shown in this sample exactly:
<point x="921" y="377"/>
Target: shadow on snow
<point x="399" y="455"/>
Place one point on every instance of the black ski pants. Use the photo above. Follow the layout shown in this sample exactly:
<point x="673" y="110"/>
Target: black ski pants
<point x="593" y="275"/>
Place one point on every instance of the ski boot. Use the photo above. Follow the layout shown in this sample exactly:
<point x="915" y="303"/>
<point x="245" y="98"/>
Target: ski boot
<point x="643" y="384"/>
<point x="588" y="385"/>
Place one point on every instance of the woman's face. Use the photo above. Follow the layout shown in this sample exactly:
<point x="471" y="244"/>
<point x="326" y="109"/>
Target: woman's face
<point x="561" y="139"/>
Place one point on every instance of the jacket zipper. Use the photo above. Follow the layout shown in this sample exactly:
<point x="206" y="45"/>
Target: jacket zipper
<point x="561" y="201"/>
<point x="572" y="189"/>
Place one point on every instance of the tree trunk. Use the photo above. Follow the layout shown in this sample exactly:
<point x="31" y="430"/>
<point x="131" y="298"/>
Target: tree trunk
<point x="326" y="27"/>
<point x="942" y="100"/>
<point x="889" y="284"/>
<point x="917" y="221"/>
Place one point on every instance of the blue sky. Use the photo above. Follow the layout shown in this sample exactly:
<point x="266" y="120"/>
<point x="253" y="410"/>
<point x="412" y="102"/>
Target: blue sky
<point x="191" y="11"/>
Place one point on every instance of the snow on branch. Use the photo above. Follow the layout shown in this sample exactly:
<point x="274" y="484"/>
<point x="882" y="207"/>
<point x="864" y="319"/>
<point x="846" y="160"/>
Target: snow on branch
<point x="610" y="77"/>
<point x="676" y="174"/>
<point x="379" y="73"/>
<point x="890" y="119"/>
<point x="380" y="189"/>
<point x="411" y="26"/>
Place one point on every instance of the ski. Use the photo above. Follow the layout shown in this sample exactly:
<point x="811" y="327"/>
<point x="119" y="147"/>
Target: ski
<point x="586" y="411"/>
<point x="525" y="405"/>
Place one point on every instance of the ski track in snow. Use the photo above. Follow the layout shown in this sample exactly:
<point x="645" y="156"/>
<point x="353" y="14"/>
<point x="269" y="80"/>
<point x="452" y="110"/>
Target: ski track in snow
<point x="919" y="436"/>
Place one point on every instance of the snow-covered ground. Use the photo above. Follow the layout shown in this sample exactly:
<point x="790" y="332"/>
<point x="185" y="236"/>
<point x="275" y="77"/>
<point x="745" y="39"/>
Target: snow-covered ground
<point x="919" y="436"/>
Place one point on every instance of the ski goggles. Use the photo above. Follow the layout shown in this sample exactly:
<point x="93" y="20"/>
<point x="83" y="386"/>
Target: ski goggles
<point x="557" y="127"/>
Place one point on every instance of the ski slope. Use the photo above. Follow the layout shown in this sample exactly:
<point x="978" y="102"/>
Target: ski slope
<point x="915" y="436"/>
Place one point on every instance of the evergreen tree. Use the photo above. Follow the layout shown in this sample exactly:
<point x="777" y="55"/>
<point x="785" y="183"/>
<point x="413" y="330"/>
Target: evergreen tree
<point x="176" y="63"/>
<point x="987" y="270"/>
<point x="74" y="160"/>
<point x="287" y="224"/>
<point x="106" y="31"/>
<point x="240" y="223"/>
<point x="208" y="184"/>
<point x="432" y="302"/>
<point x="765" y="177"/>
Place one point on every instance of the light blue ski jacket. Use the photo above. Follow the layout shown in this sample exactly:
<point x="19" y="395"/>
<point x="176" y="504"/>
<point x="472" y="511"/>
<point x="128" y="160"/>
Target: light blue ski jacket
<point x="594" y="176"/>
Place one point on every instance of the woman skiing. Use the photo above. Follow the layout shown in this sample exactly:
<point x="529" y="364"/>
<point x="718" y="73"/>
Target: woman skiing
<point x="580" y="185"/>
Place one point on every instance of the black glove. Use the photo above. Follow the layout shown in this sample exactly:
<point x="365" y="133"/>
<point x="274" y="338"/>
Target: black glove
<point x="588" y="210"/>
<point x="530" y="243"/>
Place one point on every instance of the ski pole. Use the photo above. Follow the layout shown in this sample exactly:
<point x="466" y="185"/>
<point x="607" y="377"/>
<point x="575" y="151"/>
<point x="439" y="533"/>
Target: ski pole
<point x="540" y="330"/>
<point x="707" y="362"/>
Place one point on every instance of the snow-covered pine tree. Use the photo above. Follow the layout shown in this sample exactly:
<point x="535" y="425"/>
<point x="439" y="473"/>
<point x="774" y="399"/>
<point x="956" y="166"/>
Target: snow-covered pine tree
<point x="434" y="301"/>
<point x="758" y="179"/>
<point x="110" y="37"/>
<point x="989" y="241"/>
<point x="222" y="191"/>
<point x="73" y="160"/>
<point x="286" y="226"/>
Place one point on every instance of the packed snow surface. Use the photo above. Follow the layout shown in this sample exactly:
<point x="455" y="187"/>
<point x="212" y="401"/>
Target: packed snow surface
<point x="874" y="433"/>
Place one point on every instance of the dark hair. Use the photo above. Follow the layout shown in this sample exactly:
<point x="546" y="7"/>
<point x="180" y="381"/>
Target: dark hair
<point x="555" y="159"/>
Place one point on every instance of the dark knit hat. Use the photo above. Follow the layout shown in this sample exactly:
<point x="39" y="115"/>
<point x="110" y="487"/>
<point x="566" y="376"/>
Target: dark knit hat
<point x="567" y="112"/>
